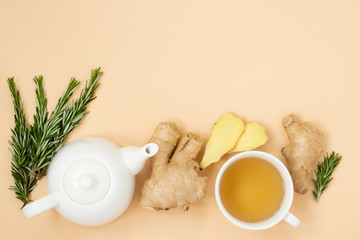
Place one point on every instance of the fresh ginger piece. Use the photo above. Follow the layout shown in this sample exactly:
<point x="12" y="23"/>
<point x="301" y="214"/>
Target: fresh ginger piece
<point x="174" y="180"/>
<point x="223" y="138"/>
<point x="304" y="148"/>
<point x="253" y="137"/>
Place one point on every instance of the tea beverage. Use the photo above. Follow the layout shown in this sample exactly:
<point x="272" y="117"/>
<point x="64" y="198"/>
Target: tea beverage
<point x="251" y="190"/>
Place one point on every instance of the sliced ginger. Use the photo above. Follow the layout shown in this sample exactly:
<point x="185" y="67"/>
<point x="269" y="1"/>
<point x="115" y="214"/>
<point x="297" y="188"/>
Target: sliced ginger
<point x="253" y="137"/>
<point x="304" y="148"/>
<point x="174" y="180"/>
<point x="223" y="138"/>
<point x="228" y="135"/>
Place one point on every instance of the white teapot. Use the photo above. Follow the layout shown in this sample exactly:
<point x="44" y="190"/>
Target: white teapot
<point x="91" y="181"/>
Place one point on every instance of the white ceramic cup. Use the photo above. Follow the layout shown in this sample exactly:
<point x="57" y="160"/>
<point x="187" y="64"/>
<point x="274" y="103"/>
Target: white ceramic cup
<point x="283" y="212"/>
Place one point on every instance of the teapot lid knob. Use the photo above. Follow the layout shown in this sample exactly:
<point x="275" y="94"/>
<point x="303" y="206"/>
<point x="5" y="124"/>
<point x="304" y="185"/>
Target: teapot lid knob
<point x="86" y="182"/>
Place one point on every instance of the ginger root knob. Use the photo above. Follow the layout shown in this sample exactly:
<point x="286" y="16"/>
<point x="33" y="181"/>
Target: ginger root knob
<point x="304" y="148"/>
<point x="174" y="180"/>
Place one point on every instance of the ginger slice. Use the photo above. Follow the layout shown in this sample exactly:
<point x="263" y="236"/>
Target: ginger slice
<point x="304" y="148"/>
<point x="174" y="180"/>
<point x="223" y="138"/>
<point x="253" y="137"/>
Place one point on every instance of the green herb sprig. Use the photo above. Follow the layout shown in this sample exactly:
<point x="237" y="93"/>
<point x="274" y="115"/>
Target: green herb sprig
<point x="20" y="142"/>
<point x="33" y="147"/>
<point x="323" y="173"/>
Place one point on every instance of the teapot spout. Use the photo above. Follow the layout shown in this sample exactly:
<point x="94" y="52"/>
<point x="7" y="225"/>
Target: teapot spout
<point x="135" y="157"/>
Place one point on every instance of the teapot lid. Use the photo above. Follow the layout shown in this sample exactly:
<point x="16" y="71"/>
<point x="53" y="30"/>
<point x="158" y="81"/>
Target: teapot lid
<point x="86" y="181"/>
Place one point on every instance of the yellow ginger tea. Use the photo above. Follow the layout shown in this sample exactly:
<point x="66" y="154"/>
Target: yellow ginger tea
<point x="251" y="190"/>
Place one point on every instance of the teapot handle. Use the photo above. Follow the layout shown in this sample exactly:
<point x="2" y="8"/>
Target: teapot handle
<point x="41" y="205"/>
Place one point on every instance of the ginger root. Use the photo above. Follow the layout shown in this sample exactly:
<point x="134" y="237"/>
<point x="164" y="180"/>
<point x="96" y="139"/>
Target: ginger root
<point x="304" y="148"/>
<point x="253" y="137"/>
<point x="223" y="138"/>
<point x="174" y="180"/>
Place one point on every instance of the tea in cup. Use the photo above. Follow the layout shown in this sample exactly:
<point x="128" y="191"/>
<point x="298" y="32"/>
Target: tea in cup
<point x="254" y="190"/>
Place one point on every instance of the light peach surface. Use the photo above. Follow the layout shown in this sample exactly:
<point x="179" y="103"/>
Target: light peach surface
<point x="190" y="62"/>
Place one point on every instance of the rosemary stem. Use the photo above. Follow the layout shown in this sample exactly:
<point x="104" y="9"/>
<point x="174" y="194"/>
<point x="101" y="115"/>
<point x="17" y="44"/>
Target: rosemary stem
<point x="33" y="147"/>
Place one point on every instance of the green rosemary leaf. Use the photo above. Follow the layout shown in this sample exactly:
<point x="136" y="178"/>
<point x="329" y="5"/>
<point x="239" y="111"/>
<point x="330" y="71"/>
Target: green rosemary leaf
<point x="323" y="173"/>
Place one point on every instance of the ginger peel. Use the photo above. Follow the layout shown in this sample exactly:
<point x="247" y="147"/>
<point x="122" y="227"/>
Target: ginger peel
<point x="174" y="180"/>
<point x="304" y="148"/>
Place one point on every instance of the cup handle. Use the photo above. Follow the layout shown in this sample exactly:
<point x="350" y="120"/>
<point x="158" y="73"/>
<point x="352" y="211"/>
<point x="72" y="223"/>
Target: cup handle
<point x="41" y="205"/>
<point x="292" y="220"/>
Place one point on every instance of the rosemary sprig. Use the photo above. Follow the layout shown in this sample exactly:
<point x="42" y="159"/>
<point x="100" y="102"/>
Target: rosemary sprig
<point x="323" y="173"/>
<point x="70" y="118"/>
<point x="20" y="142"/>
<point x="41" y="109"/>
<point x="44" y="142"/>
<point x="33" y="147"/>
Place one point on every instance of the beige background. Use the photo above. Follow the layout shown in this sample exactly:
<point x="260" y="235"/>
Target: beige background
<point x="190" y="62"/>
